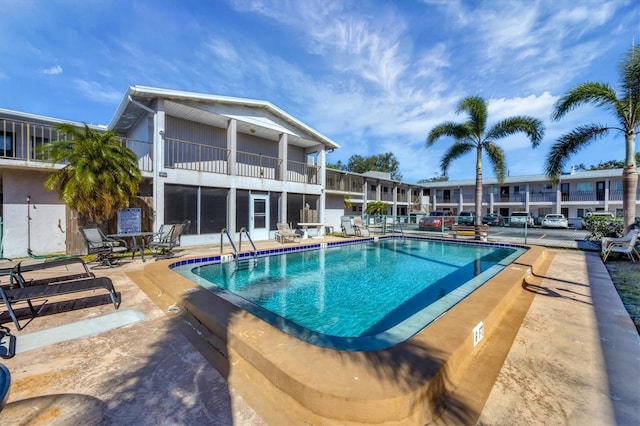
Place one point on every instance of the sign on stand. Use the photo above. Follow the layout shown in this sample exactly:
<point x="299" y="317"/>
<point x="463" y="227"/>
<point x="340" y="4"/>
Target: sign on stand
<point x="129" y="221"/>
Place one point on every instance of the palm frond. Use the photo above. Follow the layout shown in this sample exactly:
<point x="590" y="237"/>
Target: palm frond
<point x="629" y="70"/>
<point x="569" y="144"/>
<point x="596" y="94"/>
<point x="532" y="127"/>
<point x="477" y="109"/>
<point x="457" y="150"/>
<point x="497" y="159"/>
<point x="448" y="128"/>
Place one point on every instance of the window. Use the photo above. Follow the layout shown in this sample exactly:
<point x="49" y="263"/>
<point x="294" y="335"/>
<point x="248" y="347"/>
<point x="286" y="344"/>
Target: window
<point x="213" y="210"/>
<point x="36" y="145"/>
<point x="373" y="188"/>
<point x="516" y="189"/>
<point x="180" y="204"/>
<point x="274" y="209"/>
<point x="385" y="189"/>
<point x="6" y="144"/>
<point x="581" y="212"/>
<point x="584" y="186"/>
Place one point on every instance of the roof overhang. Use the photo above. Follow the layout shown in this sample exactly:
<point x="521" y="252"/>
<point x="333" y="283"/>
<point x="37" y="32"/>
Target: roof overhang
<point x="258" y="118"/>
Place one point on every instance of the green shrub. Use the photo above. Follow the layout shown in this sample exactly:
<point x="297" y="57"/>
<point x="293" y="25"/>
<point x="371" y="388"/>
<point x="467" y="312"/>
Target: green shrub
<point x="599" y="227"/>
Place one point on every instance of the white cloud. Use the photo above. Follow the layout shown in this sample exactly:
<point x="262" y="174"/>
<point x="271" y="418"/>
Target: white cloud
<point x="55" y="70"/>
<point x="97" y="92"/>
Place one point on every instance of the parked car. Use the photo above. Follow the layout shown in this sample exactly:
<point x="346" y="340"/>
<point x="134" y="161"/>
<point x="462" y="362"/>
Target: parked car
<point x="555" y="221"/>
<point x="493" y="219"/>
<point x="467" y="218"/>
<point x="438" y="219"/>
<point x="521" y="219"/>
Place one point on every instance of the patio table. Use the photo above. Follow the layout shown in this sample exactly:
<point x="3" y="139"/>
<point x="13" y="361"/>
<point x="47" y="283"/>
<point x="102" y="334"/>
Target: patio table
<point x="305" y="225"/>
<point x="135" y="245"/>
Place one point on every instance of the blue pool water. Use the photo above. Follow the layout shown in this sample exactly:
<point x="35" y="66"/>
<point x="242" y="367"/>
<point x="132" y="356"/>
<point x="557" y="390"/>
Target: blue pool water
<point x="356" y="297"/>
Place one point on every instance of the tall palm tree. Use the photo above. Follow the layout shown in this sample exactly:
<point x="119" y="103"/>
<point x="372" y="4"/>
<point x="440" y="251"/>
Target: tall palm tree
<point x="100" y="175"/>
<point x="473" y="135"/>
<point x="625" y="108"/>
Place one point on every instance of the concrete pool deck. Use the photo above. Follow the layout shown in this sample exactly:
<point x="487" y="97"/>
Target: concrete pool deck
<point x="575" y="359"/>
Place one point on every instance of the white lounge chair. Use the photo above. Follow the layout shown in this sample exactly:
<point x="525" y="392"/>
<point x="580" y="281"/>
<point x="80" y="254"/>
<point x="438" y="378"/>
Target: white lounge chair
<point x="347" y="228"/>
<point x="360" y="229"/>
<point x="285" y="233"/>
<point x="626" y="245"/>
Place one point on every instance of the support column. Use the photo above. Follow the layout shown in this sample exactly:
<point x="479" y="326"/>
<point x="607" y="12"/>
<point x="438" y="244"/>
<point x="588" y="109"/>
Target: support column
<point x="231" y="211"/>
<point x="322" y="160"/>
<point x="283" y="143"/>
<point x="159" y="134"/>
<point x="232" y="146"/>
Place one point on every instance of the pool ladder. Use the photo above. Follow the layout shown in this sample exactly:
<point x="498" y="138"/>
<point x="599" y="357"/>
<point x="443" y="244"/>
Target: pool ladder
<point x="247" y="261"/>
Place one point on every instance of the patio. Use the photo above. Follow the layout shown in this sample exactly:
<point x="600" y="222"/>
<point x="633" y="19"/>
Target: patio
<point x="155" y="369"/>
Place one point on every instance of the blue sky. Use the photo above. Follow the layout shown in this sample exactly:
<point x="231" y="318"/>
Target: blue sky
<point x="374" y="76"/>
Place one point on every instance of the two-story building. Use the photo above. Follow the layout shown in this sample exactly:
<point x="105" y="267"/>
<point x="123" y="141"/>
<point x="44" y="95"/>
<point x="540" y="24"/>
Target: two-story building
<point x="577" y="192"/>
<point x="232" y="163"/>
<point x="220" y="162"/>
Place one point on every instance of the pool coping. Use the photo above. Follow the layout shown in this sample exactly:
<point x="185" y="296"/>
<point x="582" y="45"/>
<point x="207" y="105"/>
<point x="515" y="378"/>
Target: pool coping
<point x="405" y="383"/>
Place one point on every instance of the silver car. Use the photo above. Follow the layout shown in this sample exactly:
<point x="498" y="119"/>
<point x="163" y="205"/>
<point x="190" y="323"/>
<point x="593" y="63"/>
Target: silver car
<point x="555" y="221"/>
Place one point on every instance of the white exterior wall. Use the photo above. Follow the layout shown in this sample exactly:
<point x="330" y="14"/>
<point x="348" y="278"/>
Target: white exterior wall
<point x="334" y="210"/>
<point x="48" y="219"/>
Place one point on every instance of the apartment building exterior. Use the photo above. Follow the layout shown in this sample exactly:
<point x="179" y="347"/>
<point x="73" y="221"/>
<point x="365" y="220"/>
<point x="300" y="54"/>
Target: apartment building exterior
<point x="577" y="193"/>
<point x="220" y="162"/>
<point x="233" y="163"/>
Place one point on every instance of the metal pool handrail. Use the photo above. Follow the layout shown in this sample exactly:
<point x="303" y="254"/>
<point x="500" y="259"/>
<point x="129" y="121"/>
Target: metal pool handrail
<point x="224" y="232"/>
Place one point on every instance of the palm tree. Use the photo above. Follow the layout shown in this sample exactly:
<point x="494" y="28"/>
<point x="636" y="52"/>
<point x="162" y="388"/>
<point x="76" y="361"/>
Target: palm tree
<point x="100" y="175"/>
<point x="626" y="110"/>
<point x="377" y="207"/>
<point x="473" y="135"/>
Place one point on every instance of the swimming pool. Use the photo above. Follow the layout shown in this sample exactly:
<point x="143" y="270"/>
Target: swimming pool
<point x="356" y="297"/>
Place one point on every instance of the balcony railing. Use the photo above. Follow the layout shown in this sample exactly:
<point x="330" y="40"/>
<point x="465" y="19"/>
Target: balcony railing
<point x="180" y="154"/>
<point x="21" y="140"/>
<point x="302" y="172"/>
<point x="144" y="152"/>
<point x="336" y="181"/>
<point x="542" y="197"/>
<point x="257" y="165"/>
<point x="386" y="196"/>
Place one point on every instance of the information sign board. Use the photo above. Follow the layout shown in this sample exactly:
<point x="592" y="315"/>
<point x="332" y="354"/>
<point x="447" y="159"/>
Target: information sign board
<point x="129" y="221"/>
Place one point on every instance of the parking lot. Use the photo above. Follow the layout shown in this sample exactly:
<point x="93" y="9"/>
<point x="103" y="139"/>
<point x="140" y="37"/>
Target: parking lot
<point x="570" y="237"/>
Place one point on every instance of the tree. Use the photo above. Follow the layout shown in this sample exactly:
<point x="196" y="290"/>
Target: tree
<point x="386" y="162"/>
<point x="440" y="178"/>
<point x="336" y="166"/>
<point x="377" y="207"/>
<point x="625" y="108"/>
<point x="100" y="175"/>
<point x="473" y="135"/>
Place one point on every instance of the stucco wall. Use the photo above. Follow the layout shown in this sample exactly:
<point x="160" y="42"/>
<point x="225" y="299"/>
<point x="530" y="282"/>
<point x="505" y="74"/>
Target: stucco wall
<point x="47" y="225"/>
